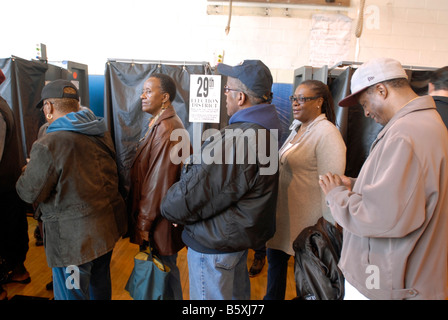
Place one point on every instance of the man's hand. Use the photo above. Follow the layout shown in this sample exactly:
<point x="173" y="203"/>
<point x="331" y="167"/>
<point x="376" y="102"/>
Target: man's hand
<point x="330" y="181"/>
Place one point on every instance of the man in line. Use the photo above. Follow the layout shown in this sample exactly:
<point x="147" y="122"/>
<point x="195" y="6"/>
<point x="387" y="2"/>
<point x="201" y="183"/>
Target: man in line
<point x="73" y="177"/>
<point x="395" y="214"/>
<point x="438" y="89"/>
<point x="13" y="223"/>
<point x="228" y="205"/>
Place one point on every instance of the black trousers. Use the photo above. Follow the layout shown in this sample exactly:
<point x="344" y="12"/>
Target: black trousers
<point x="13" y="230"/>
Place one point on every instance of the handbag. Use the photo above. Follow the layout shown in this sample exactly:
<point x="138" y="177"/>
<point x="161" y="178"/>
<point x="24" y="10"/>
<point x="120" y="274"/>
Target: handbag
<point x="149" y="278"/>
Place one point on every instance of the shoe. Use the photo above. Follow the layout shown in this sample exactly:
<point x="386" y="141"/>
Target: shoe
<point x="11" y="280"/>
<point x="17" y="276"/>
<point x="49" y="286"/>
<point x="38" y="237"/>
<point x="256" y="267"/>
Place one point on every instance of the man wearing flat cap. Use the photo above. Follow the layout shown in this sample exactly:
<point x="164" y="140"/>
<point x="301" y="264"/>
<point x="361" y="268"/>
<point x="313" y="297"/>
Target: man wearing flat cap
<point x="395" y="214"/>
<point x="72" y="175"/>
<point x="228" y="206"/>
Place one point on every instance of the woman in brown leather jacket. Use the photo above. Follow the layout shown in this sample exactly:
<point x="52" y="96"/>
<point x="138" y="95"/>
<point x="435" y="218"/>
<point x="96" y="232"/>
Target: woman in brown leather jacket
<point x="152" y="173"/>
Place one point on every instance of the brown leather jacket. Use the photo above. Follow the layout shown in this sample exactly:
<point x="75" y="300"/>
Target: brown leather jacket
<point x="152" y="174"/>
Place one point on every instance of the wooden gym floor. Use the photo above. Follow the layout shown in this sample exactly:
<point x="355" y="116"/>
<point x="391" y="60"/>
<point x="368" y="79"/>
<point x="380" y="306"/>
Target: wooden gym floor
<point x="121" y="267"/>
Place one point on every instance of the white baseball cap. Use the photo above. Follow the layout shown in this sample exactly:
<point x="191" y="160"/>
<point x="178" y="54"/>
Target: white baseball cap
<point x="370" y="73"/>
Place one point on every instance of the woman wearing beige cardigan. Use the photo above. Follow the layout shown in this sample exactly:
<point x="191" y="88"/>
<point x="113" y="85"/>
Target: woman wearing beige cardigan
<point x="314" y="147"/>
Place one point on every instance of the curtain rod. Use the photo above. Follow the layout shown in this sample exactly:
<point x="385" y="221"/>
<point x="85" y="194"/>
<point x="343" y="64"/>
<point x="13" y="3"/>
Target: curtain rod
<point x="353" y="63"/>
<point x="159" y="61"/>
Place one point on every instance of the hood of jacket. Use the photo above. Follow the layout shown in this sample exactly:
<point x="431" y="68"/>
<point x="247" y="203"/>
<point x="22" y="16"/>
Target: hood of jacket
<point x="83" y="121"/>
<point x="263" y="114"/>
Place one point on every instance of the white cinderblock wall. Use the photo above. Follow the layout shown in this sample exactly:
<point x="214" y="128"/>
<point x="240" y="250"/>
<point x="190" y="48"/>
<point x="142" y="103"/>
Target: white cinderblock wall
<point x="412" y="31"/>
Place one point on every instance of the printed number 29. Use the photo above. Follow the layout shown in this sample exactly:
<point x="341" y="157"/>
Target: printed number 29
<point x="203" y="86"/>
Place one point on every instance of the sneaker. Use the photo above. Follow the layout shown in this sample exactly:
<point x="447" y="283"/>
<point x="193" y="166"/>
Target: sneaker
<point x="256" y="267"/>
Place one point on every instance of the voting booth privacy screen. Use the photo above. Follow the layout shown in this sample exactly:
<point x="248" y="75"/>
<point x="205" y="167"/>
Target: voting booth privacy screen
<point x="123" y="84"/>
<point x="22" y="89"/>
<point x="127" y="122"/>
<point x="358" y="131"/>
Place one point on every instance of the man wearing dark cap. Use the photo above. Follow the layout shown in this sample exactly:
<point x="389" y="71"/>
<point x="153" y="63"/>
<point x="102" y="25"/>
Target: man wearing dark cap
<point x="72" y="175"/>
<point x="228" y="206"/>
<point x="395" y="214"/>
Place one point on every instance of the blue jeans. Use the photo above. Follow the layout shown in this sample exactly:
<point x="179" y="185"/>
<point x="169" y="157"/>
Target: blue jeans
<point x="277" y="272"/>
<point x="218" y="276"/>
<point x="89" y="281"/>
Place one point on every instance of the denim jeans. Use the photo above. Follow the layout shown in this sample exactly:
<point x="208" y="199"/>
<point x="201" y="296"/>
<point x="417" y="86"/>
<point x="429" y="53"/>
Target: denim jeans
<point x="89" y="281"/>
<point x="277" y="272"/>
<point x="218" y="276"/>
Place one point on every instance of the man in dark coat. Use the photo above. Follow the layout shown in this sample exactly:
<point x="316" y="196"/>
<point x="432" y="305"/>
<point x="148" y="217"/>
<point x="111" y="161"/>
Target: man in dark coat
<point x="438" y="89"/>
<point x="13" y="223"/>
<point x="228" y="204"/>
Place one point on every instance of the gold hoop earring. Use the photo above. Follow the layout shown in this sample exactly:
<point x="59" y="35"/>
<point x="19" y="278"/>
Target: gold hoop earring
<point x="49" y="116"/>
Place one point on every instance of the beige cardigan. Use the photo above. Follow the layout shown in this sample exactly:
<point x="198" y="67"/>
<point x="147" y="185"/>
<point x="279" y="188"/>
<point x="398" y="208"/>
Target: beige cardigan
<point x="301" y="201"/>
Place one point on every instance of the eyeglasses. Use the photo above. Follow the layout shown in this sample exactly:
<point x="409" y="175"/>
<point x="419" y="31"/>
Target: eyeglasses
<point x="302" y="99"/>
<point x="227" y="89"/>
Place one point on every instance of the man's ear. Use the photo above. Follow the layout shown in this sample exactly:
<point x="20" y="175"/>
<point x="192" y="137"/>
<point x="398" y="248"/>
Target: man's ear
<point x="382" y="90"/>
<point x="48" y="108"/>
<point x="241" y="98"/>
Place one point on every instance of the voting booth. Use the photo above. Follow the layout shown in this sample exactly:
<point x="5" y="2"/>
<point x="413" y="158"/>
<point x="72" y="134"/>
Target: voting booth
<point x="358" y="131"/>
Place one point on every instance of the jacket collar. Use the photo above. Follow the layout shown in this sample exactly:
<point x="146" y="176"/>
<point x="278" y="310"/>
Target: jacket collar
<point x="418" y="104"/>
<point x="440" y="98"/>
<point x="296" y="123"/>
<point x="168" y="113"/>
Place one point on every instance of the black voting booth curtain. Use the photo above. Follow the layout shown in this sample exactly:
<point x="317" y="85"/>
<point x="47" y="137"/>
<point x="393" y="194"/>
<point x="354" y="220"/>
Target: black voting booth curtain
<point x="122" y="105"/>
<point x="21" y="89"/>
<point x="358" y="131"/>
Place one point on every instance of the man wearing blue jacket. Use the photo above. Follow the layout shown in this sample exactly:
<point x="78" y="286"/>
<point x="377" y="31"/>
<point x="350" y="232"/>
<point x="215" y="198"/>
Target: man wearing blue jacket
<point x="228" y="205"/>
<point x="73" y="177"/>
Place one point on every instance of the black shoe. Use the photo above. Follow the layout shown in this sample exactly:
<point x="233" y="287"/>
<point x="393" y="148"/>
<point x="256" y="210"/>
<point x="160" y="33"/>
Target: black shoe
<point x="49" y="286"/>
<point x="256" y="267"/>
<point x="38" y="237"/>
<point x="10" y="279"/>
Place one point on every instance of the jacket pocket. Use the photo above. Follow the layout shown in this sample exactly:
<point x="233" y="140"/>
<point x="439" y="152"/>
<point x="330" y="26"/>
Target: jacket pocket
<point x="228" y="261"/>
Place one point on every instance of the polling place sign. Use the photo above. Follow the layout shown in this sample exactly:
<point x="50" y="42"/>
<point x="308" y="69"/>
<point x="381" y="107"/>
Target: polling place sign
<point x="205" y="98"/>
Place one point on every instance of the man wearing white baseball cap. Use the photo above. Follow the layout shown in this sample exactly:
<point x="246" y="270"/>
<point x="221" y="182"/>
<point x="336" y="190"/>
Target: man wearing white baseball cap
<point x="395" y="214"/>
